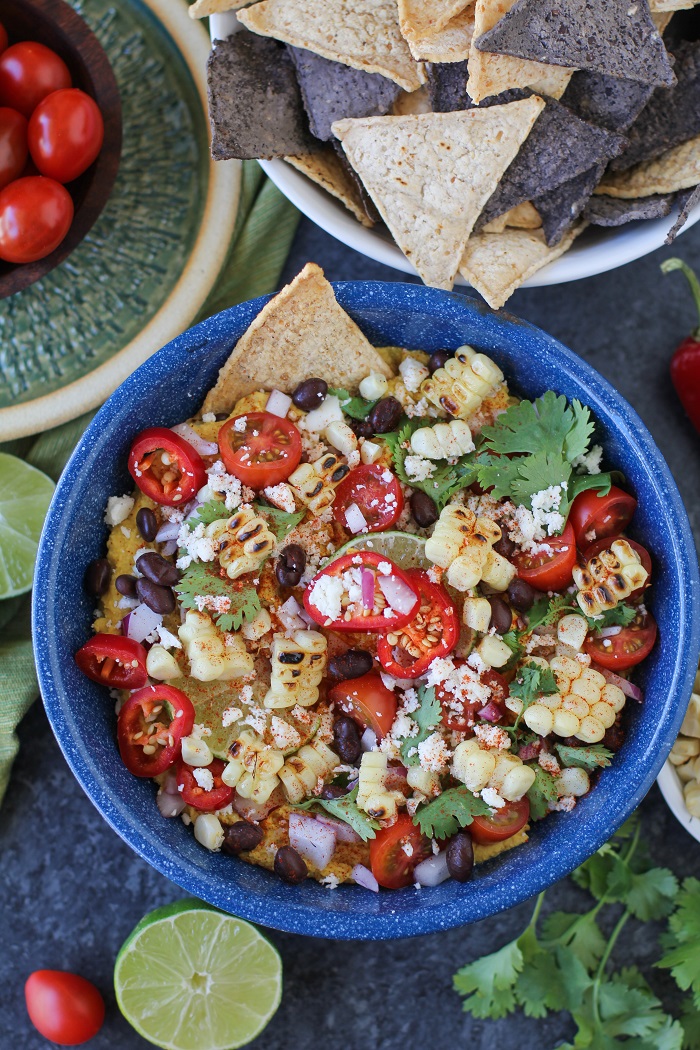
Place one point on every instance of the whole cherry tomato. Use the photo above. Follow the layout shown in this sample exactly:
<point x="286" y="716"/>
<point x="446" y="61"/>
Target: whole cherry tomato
<point x="13" y="145"/>
<point x="66" y="132"/>
<point x="35" y="216"/>
<point x="3" y="38"/>
<point x="29" y="72"/>
<point x="63" y="1007"/>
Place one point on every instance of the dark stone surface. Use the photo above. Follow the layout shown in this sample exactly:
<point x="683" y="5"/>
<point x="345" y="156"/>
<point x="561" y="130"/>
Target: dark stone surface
<point x="72" y="891"/>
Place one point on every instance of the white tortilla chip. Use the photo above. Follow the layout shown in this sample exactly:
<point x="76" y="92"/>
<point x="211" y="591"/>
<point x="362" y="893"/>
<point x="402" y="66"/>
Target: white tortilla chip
<point x="672" y="5"/>
<point x="449" y="44"/>
<point x="427" y="17"/>
<point x="412" y="102"/>
<point x="489" y="74"/>
<point x="430" y="175"/>
<point x="523" y="216"/>
<point x="495" y="264"/>
<point x="326" y="170"/>
<point x="204" y="8"/>
<point x="302" y="332"/>
<point x="677" y="169"/>
<point x="363" y="34"/>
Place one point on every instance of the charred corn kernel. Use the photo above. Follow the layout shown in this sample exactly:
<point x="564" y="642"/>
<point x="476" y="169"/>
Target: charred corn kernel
<point x="691" y="722"/>
<point x="196" y="752"/>
<point x="243" y="754"/>
<point x="539" y="719"/>
<point x="477" y="614"/>
<point x="298" y="665"/>
<point x="584" y="707"/>
<point x="572" y="630"/>
<point x="372" y="795"/>
<point x="462" y="544"/>
<point x="253" y="767"/>
<point x="211" y="654"/>
<point x="493" y="651"/>
<point x="423" y="780"/>
<point x="572" y="781"/>
<point x="340" y="437"/>
<point x="302" y="772"/>
<point x="692" y="799"/>
<point x="258" y="627"/>
<point x="373" y="387"/>
<point x="478" y="768"/>
<point x="463" y="383"/>
<point x="208" y="831"/>
<point x="498" y="571"/>
<point x="443" y="440"/>
<point x="161" y="664"/>
<point x="370" y="452"/>
<point x="608" y="577"/>
<point x="243" y="541"/>
<point x="314" y="483"/>
<point x="683" y="749"/>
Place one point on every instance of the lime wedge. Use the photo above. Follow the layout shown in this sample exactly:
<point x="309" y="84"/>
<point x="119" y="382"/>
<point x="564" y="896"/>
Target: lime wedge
<point x="25" y="494"/>
<point x="191" y="978"/>
<point x="403" y="548"/>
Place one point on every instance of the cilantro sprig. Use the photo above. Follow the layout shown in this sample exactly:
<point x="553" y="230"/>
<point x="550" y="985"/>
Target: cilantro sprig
<point x="530" y="683"/>
<point x="202" y="579"/>
<point x="450" y="811"/>
<point x="427" y="717"/>
<point x="280" y="521"/>
<point x="211" y="511"/>
<point x="355" y="407"/>
<point x="446" y="479"/>
<point x="346" y="809"/>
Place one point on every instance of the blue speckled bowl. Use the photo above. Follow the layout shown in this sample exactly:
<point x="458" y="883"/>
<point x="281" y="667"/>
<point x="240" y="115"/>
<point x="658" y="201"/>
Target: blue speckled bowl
<point x="170" y="387"/>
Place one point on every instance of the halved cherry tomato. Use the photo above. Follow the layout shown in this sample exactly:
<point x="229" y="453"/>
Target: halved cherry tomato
<point x="113" y="660"/>
<point x="368" y="701"/>
<point x="166" y="467"/>
<point x="436" y="618"/>
<point x="626" y="649"/>
<point x="377" y="493"/>
<point x="194" y="795"/>
<point x="155" y="717"/>
<point x="354" y="616"/>
<point x="63" y="1007"/>
<point x="3" y="38"/>
<point x="260" y="449"/>
<point x="65" y="134"/>
<point x="461" y="716"/>
<point x="13" y="145"/>
<point x="35" y="216"/>
<point x="29" y="72"/>
<point x="503" y="823"/>
<point x="392" y="866"/>
<point x="594" y="517"/>
<point x="549" y="572"/>
<point x="604" y="544"/>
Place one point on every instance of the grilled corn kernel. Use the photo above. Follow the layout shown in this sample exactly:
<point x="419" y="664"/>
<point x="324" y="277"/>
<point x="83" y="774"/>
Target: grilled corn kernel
<point x="161" y="664"/>
<point x="424" y="781"/>
<point x="373" y="387"/>
<point x="539" y="719"/>
<point x="301" y="773"/>
<point x="584" y="707"/>
<point x="462" y="544"/>
<point x="196" y="752"/>
<point x="572" y="781"/>
<point x="477" y="614"/>
<point x="315" y="483"/>
<point x="212" y="655"/>
<point x="493" y="651"/>
<point x="462" y="384"/>
<point x="340" y="437"/>
<point x="372" y="795"/>
<point x="370" y="452"/>
<point x="253" y="768"/>
<point x="243" y="541"/>
<point x="298" y="665"/>
<point x="443" y="440"/>
<point x="608" y="577"/>
<point x="517" y="782"/>
<point x="473" y="766"/>
<point x="208" y="831"/>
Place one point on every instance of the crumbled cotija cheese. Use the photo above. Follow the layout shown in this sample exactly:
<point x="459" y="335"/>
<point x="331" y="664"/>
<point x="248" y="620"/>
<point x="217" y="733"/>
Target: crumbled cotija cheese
<point x="492" y="798"/>
<point x="240" y="424"/>
<point x="492" y="738"/>
<point x="413" y="373"/>
<point x="208" y="417"/>
<point x="230" y="715"/>
<point x="284" y="735"/>
<point x="326" y="595"/>
<point x="434" y="754"/>
<point x="203" y="777"/>
<point x="197" y="546"/>
<point x="549" y="763"/>
<point x="226" y="485"/>
<point x="118" y="509"/>
<point x="418" y="469"/>
<point x="280" y="496"/>
<point x="256" y="719"/>
<point x="166" y="639"/>
<point x="590" y="463"/>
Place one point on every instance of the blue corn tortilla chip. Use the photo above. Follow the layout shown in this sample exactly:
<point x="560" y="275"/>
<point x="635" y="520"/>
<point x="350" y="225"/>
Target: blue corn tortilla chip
<point x="616" y="37"/>
<point x="331" y="91"/>
<point x="255" y="105"/>
<point x="687" y="199"/>
<point x="611" y="102"/>
<point x="614" y="211"/>
<point x="561" y="207"/>
<point x="447" y="87"/>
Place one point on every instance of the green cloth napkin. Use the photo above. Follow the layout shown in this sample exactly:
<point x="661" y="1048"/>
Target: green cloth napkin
<point x="265" y="225"/>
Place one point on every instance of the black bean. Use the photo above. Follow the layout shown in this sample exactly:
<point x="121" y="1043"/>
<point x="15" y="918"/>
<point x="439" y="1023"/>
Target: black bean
<point x="361" y="428"/>
<point x="438" y="360"/>
<point x="614" y="736"/>
<point x="460" y="856"/>
<point x="160" y="599"/>
<point x="351" y="664"/>
<point x="346" y="739"/>
<point x="290" y="865"/>
<point x="97" y="577"/>
<point x="423" y="508"/>
<point x="501" y="616"/>
<point x="385" y="415"/>
<point x="241" y="836"/>
<point x="156" y="569"/>
<point x="504" y="546"/>
<point x="333" y="791"/>
<point x="522" y="595"/>
<point x="147" y="523"/>
<point x="221" y="416"/>
<point x="126" y="585"/>
<point x="291" y="565"/>
<point x="310" y="394"/>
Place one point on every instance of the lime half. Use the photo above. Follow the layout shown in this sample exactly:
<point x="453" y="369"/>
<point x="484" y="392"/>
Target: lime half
<point x="25" y="494"/>
<point x="191" y="978"/>
<point x="403" y="548"/>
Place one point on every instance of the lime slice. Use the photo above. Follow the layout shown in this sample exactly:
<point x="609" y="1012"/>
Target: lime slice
<point x="191" y="978"/>
<point x="403" y="548"/>
<point x="25" y="494"/>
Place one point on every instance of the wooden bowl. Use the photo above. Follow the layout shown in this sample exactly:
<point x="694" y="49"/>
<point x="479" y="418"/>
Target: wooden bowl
<point x="57" y="25"/>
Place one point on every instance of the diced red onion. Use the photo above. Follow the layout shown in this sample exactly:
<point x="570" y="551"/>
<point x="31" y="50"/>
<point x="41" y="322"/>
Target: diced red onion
<point x="367" y="577"/>
<point x="491" y="713"/>
<point x="628" y="688"/>
<point x="529" y="751"/>
<point x="169" y="785"/>
<point x="315" y="841"/>
<point x="368" y="740"/>
<point x="395" y="779"/>
<point x="168" y="531"/>
<point x="343" y="832"/>
<point x="169" y="805"/>
<point x="289" y="615"/>
<point x="142" y="622"/>
<point x="204" y="448"/>
<point x="191" y="509"/>
<point x="256" y="811"/>
<point x="398" y="594"/>
<point x="355" y="519"/>
<point x="308" y="620"/>
<point x="364" y="877"/>
<point x="278" y="404"/>
<point x="609" y="632"/>
<point x="169" y="548"/>
<point x="433" y="871"/>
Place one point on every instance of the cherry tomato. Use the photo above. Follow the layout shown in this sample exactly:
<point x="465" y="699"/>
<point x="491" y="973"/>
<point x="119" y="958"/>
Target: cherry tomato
<point x="13" y="145"/>
<point x="194" y="795"/>
<point x="3" y="38"/>
<point x="626" y="649"/>
<point x="63" y="1007"/>
<point x="436" y="619"/>
<point x="599" y="545"/>
<point x="391" y="865"/>
<point x="28" y="73"/>
<point x="549" y="572"/>
<point x="462" y="715"/>
<point x="594" y="516"/>
<point x="66" y="132"/>
<point x="165" y="466"/>
<point x="35" y="216"/>
<point x="375" y="491"/>
<point x="503" y="823"/>
<point x="113" y="660"/>
<point x="155" y="717"/>
<point x="355" y="616"/>
<point x="260" y="449"/>
<point x="368" y="701"/>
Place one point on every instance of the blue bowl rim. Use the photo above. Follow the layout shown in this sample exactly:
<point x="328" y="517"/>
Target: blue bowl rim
<point x="301" y="918"/>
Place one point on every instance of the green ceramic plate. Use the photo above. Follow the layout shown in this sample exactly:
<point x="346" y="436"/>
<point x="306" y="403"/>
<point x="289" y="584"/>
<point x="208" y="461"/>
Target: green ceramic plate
<point x="142" y="273"/>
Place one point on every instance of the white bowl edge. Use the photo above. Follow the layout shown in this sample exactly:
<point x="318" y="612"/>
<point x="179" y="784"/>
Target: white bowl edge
<point x="670" y="786"/>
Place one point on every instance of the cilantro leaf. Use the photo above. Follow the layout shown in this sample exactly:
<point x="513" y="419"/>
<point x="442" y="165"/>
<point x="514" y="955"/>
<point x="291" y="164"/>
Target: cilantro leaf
<point x="537" y="472"/>
<point x="530" y="683"/>
<point x="446" y="479"/>
<point x="427" y="717"/>
<point x="684" y="958"/>
<point x="591" y="758"/>
<point x="346" y="809"/>
<point x="541" y="793"/>
<point x="212" y="510"/>
<point x="355" y="407"/>
<point x="280" y="521"/>
<point x="622" y="615"/>
<point x="652" y="894"/>
<point x="581" y="933"/>
<point x="489" y="982"/>
<point x="450" y="811"/>
<point x="545" y="611"/>
<point x="512" y="640"/>
<point x="202" y="580"/>
<point x="581" y="482"/>
<point x="578" y="439"/>
<point x="539" y="986"/>
<point x="628" y="1007"/>
<point x="546" y="425"/>
<point x="605" y="874"/>
<point x="690" y="1019"/>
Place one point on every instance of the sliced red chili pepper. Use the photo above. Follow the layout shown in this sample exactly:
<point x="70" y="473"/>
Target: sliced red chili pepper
<point x="259" y="448"/>
<point x="322" y="599"/>
<point x="150" y="728"/>
<point x="166" y="467"/>
<point x="414" y="650"/>
<point x="113" y="660"/>
<point x="205" y="799"/>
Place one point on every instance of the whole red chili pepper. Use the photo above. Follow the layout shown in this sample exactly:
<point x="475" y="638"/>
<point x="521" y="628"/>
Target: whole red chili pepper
<point x="685" y="363"/>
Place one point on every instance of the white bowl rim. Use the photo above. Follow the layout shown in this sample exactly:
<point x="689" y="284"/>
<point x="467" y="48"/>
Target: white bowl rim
<point x="670" y="787"/>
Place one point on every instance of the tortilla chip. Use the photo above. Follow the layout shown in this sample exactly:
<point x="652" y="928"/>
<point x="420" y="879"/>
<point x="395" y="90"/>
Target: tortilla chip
<point x="608" y="36"/>
<point x="561" y="207"/>
<point x="326" y="169"/>
<point x="430" y="175"/>
<point x="420" y="18"/>
<point x="615" y="211"/>
<point x="301" y="332"/>
<point x="254" y="103"/>
<point x="609" y="101"/>
<point x="672" y="5"/>
<point x="522" y="217"/>
<point x="362" y="35"/>
<point x="411" y="102"/>
<point x="449" y="44"/>
<point x="692" y="200"/>
<point x="204" y="8"/>
<point x="495" y="264"/>
<point x="678" y="169"/>
<point x="331" y="91"/>
<point x="447" y="84"/>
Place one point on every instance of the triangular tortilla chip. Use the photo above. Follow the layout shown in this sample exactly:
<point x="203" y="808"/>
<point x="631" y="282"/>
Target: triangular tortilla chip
<point x="327" y="170"/>
<point x="430" y="175"/>
<point x="426" y="17"/>
<point x="673" y="5"/>
<point x="366" y="37"/>
<point x="411" y="102"/>
<point x="561" y="207"/>
<point x="302" y="332"/>
<point x="692" y="200"/>
<point x="498" y="263"/>
<point x="522" y="217"/>
<point x="678" y="169"/>
<point x="450" y="44"/>
<point x="204" y="8"/>
<point x="489" y="74"/>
